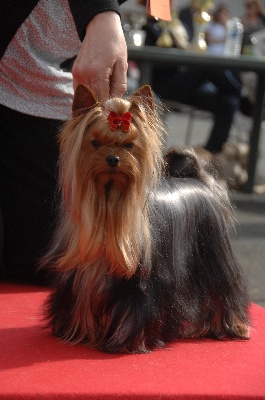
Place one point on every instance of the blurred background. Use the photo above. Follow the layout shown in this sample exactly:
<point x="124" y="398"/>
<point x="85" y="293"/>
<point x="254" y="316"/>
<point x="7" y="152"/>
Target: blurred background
<point x="236" y="6"/>
<point x="249" y="242"/>
<point x="186" y="121"/>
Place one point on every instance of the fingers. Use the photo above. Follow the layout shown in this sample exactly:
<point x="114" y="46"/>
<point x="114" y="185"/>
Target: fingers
<point x="100" y="87"/>
<point x="101" y="62"/>
<point x="90" y="72"/>
<point x="118" y="80"/>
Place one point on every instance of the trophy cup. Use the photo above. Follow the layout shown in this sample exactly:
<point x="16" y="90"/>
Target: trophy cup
<point x="201" y="17"/>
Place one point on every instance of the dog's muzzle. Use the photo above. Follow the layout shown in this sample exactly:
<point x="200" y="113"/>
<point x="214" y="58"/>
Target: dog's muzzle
<point x="113" y="161"/>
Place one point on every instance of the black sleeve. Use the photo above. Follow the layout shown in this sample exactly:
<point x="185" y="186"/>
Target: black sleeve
<point x="84" y="10"/>
<point x="12" y="15"/>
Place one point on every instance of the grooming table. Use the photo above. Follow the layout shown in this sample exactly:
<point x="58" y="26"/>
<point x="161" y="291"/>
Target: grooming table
<point x="36" y="365"/>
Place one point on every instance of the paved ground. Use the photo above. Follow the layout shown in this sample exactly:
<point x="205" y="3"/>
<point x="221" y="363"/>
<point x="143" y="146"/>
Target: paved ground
<point x="249" y="243"/>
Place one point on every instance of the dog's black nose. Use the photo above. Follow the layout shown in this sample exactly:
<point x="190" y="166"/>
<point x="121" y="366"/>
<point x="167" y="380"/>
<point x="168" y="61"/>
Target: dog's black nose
<point x="113" y="161"/>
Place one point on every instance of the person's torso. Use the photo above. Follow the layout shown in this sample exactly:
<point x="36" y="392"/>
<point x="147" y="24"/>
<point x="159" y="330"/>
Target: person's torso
<point x="31" y="77"/>
<point x="218" y="33"/>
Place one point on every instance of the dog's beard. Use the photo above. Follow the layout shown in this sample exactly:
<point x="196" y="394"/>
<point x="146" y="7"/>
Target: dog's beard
<point x="117" y="227"/>
<point x="107" y="219"/>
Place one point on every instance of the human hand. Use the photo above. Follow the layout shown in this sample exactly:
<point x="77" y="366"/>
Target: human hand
<point x="101" y="62"/>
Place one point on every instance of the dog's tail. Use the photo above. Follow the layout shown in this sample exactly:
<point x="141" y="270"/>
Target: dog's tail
<point x="185" y="163"/>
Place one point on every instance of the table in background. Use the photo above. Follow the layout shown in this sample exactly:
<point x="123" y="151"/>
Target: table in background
<point x="147" y="57"/>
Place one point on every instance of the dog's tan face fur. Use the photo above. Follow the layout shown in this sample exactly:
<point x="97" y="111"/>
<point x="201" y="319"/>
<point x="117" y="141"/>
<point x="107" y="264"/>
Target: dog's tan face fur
<point x="113" y="159"/>
<point x="106" y="176"/>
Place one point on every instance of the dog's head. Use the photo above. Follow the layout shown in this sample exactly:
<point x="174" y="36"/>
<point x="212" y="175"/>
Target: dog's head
<point x="116" y="145"/>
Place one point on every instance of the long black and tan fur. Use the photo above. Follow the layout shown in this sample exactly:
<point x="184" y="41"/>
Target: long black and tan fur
<point x="142" y="254"/>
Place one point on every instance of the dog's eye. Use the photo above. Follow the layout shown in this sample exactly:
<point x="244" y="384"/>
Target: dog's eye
<point x="96" y="143"/>
<point x="128" y="145"/>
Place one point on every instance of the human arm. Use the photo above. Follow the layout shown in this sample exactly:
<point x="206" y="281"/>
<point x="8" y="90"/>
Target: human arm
<point x="102" y="60"/>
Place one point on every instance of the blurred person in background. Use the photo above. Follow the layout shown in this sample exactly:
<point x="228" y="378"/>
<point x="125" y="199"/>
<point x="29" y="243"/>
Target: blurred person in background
<point x="215" y="34"/>
<point x="217" y="91"/>
<point x="253" y="19"/>
<point x="186" y="17"/>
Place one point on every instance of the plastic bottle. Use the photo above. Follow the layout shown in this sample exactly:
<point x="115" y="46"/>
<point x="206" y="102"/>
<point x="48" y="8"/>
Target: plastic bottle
<point x="234" y="37"/>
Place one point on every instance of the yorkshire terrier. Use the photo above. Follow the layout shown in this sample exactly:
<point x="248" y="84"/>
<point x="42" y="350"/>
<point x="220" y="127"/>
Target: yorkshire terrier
<point x="141" y="254"/>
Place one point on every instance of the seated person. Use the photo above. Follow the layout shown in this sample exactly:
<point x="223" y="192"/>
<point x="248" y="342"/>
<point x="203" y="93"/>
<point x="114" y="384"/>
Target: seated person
<point x="217" y="91"/>
<point x="253" y="19"/>
<point x="215" y="33"/>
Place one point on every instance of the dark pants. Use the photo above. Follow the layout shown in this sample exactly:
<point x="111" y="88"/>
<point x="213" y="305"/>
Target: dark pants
<point x="214" y="91"/>
<point x="28" y="181"/>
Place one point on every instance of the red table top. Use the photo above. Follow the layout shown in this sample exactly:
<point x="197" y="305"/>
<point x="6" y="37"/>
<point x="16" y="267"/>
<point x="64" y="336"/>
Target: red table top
<point x="34" y="364"/>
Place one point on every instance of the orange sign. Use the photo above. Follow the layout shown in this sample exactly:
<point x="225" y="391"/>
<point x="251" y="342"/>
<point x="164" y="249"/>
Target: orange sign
<point x="159" y="9"/>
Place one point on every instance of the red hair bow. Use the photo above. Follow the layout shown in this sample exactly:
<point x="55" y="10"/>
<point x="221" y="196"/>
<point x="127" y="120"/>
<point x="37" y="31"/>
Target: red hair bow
<point x="116" y="121"/>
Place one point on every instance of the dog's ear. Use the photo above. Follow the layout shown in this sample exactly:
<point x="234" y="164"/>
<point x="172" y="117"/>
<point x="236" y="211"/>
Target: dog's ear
<point x="84" y="99"/>
<point x="146" y="94"/>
